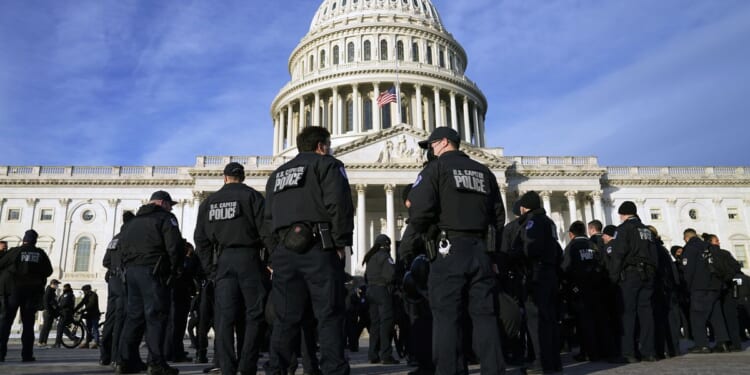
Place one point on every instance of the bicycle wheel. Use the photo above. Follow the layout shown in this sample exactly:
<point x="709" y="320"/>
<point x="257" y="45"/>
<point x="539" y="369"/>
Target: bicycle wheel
<point x="73" y="335"/>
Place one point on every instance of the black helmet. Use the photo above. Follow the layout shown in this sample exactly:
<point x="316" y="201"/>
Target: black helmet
<point x="420" y="270"/>
<point x="382" y="240"/>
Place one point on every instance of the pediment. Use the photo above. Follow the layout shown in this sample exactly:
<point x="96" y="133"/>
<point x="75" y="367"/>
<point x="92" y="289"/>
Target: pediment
<point x="398" y="146"/>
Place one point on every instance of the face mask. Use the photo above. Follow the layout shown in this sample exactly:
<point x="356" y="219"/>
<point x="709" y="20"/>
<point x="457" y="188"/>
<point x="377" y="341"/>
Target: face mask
<point x="431" y="155"/>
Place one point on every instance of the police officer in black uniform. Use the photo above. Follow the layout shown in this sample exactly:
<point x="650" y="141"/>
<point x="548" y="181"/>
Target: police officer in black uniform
<point x="379" y="276"/>
<point x="705" y="294"/>
<point x="309" y="209"/>
<point x="116" y="298"/>
<point x="633" y="266"/>
<point x="462" y="198"/>
<point x="152" y="251"/>
<point x="582" y="276"/>
<point x="51" y="311"/>
<point x="231" y="223"/>
<point x="537" y="243"/>
<point x="30" y="267"/>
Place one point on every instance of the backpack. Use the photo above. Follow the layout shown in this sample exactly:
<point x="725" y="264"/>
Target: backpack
<point x="721" y="264"/>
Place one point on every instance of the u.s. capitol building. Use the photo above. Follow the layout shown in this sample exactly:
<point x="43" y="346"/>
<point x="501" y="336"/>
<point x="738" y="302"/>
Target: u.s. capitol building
<point x="353" y="51"/>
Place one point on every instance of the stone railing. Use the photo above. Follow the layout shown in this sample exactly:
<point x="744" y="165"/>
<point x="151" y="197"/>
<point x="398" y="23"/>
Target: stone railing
<point x="92" y="171"/>
<point x="646" y="172"/>
<point x="250" y="162"/>
<point x="553" y="160"/>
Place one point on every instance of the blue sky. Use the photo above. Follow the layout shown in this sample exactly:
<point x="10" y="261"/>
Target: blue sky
<point x="119" y="82"/>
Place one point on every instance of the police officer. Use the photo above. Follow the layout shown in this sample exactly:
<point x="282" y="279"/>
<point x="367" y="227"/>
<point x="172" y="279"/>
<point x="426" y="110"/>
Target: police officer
<point x="90" y="306"/>
<point x="30" y="267"/>
<point x="537" y="242"/>
<point x="182" y="290"/>
<point x="379" y="276"/>
<point x="705" y="294"/>
<point x="116" y="298"/>
<point x="51" y="311"/>
<point x="152" y="251"/>
<point x="462" y="198"/>
<point x="582" y="276"/>
<point x="67" y="304"/>
<point x="633" y="266"/>
<point x="309" y="209"/>
<point x="231" y="223"/>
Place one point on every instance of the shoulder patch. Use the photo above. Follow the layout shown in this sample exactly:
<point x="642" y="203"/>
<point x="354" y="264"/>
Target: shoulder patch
<point x="343" y="172"/>
<point x="174" y="222"/>
<point x="390" y="260"/>
<point x="113" y="244"/>
<point x="529" y="224"/>
<point x="419" y="179"/>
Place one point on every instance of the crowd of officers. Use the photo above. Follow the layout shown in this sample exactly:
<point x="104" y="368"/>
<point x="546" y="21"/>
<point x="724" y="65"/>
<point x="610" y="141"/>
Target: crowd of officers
<point x="267" y="274"/>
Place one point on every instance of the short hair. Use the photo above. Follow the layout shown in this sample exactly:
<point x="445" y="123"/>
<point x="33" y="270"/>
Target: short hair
<point x="596" y="224"/>
<point x="578" y="228"/>
<point x="456" y="145"/>
<point x="690" y="231"/>
<point x="707" y="237"/>
<point x="309" y="137"/>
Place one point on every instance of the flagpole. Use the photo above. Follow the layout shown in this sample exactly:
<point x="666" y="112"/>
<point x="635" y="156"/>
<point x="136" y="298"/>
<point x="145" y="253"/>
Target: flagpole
<point x="398" y="87"/>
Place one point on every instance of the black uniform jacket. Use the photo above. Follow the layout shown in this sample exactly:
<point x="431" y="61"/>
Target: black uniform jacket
<point x="581" y="263"/>
<point x="311" y="188"/>
<point x="380" y="268"/>
<point x="457" y="194"/>
<point x="698" y="276"/>
<point x="28" y="267"/>
<point x="151" y="234"/>
<point x="633" y="243"/>
<point x="231" y="217"/>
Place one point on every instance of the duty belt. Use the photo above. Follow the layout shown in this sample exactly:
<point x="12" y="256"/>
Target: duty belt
<point x="470" y="234"/>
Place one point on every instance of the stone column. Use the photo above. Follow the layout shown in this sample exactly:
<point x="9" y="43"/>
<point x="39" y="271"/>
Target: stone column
<point x="419" y="118"/>
<point x="482" y="140"/>
<point x="719" y="219"/>
<point x="275" y="135"/>
<point x="671" y="216"/>
<point x="476" y="126"/>
<point x="31" y="202"/>
<point x="335" y="116"/>
<point x="438" y="115"/>
<point x="376" y="107"/>
<point x="571" y="195"/>
<point x="316" y="110"/>
<point x="290" y="127"/>
<point x="640" y="204"/>
<point x="596" y="196"/>
<point x="361" y="223"/>
<point x="454" y="115"/>
<point x="506" y="201"/>
<point x="355" y="109"/>
<point x="546" y="201"/>
<point x="390" y="217"/>
<point x="302" y="114"/>
<point x="467" y="124"/>
<point x="2" y="203"/>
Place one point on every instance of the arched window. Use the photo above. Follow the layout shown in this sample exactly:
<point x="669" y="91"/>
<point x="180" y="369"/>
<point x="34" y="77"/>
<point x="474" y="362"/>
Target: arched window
<point x="83" y="254"/>
<point x="312" y="63"/>
<point x="350" y="52"/>
<point x="368" y="113"/>
<point x="429" y="54"/>
<point x="383" y="50"/>
<point x="441" y="57"/>
<point x="322" y="59"/>
<point x="385" y="116"/>
<point x="335" y="55"/>
<point x="400" y="50"/>
<point x="415" y="52"/>
<point x="367" y="51"/>
<point x="349" y="115"/>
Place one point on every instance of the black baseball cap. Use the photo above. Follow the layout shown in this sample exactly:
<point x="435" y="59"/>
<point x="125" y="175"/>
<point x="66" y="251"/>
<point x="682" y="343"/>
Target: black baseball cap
<point x="440" y="133"/>
<point x="162" y="195"/>
<point x="234" y="169"/>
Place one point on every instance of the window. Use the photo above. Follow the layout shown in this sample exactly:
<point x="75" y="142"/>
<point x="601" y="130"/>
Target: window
<point x="383" y="50"/>
<point x="349" y="115"/>
<point x="367" y="51"/>
<point x="429" y="54"/>
<point x="14" y="214"/>
<point x="322" y="59"/>
<point x="740" y="254"/>
<point x="415" y="52"/>
<point x="83" y="253"/>
<point x="441" y="56"/>
<point x="335" y="55"/>
<point x="386" y="116"/>
<point x="312" y="63"/>
<point x="400" y="50"/>
<point x="368" y="113"/>
<point x="693" y="214"/>
<point x="350" y="52"/>
<point x="655" y="214"/>
<point x="46" y="214"/>
<point x="87" y="215"/>
<point x="733" y="214"/>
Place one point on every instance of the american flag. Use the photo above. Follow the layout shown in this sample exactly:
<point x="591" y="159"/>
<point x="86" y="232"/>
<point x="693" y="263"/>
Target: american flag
<point x="386" y="97"/>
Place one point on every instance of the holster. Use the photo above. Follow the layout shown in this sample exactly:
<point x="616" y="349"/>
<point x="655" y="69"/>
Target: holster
<point x="324" y="233"/>
<point x="430" y="247"/>
<point x="491" y="239"/>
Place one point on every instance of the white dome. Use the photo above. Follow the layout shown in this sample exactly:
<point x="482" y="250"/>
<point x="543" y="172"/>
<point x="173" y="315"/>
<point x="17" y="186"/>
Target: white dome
<point x="411" y="11"/>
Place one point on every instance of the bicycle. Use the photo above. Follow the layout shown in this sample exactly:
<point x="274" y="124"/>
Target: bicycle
<point x="73" y="332"/>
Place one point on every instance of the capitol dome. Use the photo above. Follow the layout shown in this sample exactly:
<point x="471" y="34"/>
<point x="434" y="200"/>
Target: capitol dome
<point x="356" y="50"/>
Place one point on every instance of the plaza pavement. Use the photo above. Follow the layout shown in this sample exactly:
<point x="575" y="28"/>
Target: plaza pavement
<point x="85" y="362"/>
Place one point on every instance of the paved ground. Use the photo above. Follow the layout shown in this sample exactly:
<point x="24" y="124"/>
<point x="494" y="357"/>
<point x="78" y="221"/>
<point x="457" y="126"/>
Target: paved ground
<point x="85" y="362"/>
